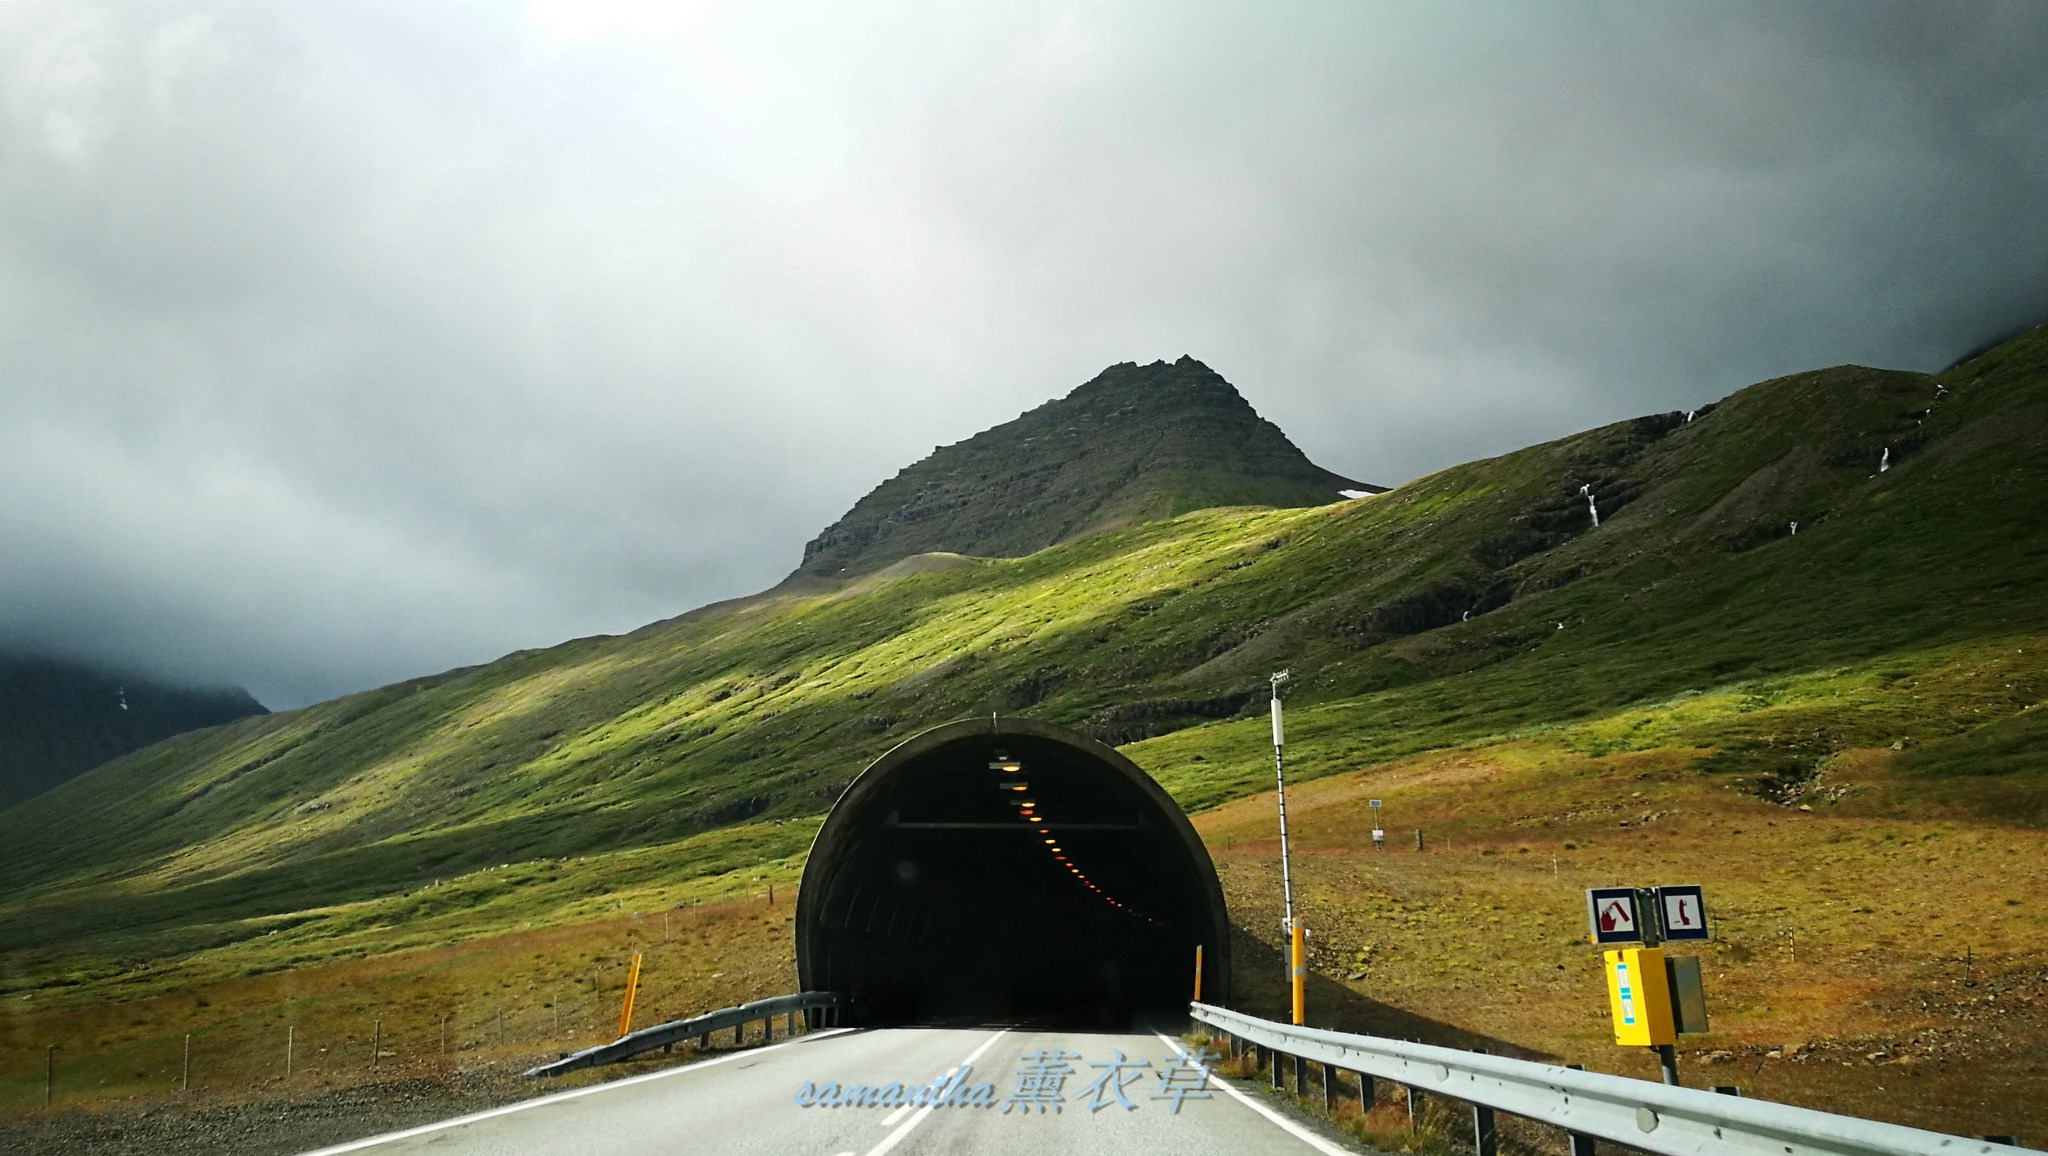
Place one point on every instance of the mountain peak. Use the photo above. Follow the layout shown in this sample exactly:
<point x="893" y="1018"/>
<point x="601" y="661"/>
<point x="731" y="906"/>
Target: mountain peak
<point x="1134" y="443"/>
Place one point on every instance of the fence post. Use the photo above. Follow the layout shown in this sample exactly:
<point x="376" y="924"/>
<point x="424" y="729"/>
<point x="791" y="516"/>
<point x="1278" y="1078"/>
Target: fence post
<point x="49" y="1072"/>
<point x="290" y="1031"/>
<point x="376" y="1044"/>
<point x="185" y="1078"/>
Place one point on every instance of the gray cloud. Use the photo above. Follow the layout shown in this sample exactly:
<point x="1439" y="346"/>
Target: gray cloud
<point x="345" y="343"/>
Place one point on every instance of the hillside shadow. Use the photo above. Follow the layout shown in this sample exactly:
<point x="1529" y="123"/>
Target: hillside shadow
<point x="1258" y="987"/>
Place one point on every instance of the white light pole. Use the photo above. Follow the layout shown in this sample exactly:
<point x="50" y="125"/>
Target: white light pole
<point x="1280" y="793"/>
<point x="1293" y="952"/>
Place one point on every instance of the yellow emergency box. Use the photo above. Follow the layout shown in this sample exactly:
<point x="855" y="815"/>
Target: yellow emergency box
<point x="1639" y="995"/>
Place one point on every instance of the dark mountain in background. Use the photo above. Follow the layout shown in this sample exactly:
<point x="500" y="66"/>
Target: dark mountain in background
<point x="1136" y="444"/>
<point x="59" y="719"/>
<point x="2001" y="337"/>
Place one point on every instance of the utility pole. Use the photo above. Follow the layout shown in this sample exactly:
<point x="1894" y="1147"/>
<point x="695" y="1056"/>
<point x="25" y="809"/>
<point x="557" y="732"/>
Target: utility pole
<point x="1296" y="978"/>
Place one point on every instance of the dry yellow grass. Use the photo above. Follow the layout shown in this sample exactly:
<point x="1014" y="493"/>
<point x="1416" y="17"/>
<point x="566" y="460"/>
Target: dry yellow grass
<point x="503" y="1002"/>
<point x="1835" y="978"/>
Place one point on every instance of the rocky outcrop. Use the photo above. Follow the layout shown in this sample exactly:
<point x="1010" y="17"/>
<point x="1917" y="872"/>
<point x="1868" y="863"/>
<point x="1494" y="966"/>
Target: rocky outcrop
<point x="1137" y="443"/>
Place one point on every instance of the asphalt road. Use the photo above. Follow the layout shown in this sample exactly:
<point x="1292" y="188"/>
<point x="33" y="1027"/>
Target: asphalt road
<point x="746" y="1102"/>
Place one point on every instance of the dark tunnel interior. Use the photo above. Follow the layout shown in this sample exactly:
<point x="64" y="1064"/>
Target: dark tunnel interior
<point x="1006" y="871"/>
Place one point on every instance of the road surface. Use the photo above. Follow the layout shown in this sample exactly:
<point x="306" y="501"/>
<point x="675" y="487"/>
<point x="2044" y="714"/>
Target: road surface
<point x="745" y="1102"/>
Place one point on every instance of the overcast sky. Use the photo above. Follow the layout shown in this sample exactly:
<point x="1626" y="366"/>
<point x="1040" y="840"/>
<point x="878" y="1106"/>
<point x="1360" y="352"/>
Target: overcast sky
<point x="343" y="342"/>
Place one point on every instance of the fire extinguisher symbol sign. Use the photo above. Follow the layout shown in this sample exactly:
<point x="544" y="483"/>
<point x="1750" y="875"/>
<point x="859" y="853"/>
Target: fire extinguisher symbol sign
<point x="1611" y="915"/>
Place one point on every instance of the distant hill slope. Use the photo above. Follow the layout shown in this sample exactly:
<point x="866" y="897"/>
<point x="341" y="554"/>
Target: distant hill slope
<point x="1477" y="602"/>
<point x="1137" y="444"/>
<point x="58" y="719"/>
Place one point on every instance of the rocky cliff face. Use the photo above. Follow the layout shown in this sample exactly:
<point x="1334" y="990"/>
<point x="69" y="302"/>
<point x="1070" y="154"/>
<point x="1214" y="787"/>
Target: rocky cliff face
<point x="59" y="720"/>
<point x="1137" y="443"/>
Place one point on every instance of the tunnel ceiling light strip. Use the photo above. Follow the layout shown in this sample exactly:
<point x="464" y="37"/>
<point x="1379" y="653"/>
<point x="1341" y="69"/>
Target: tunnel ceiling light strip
<point x="1009" y="766"/>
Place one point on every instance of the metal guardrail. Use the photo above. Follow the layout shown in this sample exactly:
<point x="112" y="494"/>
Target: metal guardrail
<point x="1652" y="1117"/>
<point x="736" y="1018"/>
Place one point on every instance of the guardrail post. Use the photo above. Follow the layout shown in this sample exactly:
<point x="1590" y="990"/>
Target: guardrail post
<point x="1414" y="1105"/>
<point x="1484" y="1140"/>
<point x="1275" y="1053"/>
<point x="1728" y="1089"/>
<point x="1329" y="1090"/>
<point x="704" y="1042"/>
<point x="739" y="1033"/>
<point x="767" y="1029"/>
<point x="1367" y="1094"/>
<point x="789" y="1024"/>
<point x="1300" y="1076"/>
<point x="1580" y="1145"/>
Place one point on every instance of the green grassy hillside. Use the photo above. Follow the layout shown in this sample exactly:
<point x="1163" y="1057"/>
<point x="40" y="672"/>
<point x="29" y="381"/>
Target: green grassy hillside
<point x="1477" y="603"/>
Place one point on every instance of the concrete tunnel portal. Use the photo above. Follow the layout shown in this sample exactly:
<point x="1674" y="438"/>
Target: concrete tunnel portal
<point x="1002" y="870"/>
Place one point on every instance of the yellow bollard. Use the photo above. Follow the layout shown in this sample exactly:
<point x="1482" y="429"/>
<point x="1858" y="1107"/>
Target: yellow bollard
<point x="1198" y="973"/>
<point x="632" y="987"/>
<point x="1298" y="973"/>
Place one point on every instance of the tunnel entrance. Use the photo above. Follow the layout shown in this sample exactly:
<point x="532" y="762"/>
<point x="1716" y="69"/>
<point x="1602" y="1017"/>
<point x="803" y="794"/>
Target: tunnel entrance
<point x="1009" y="871"/>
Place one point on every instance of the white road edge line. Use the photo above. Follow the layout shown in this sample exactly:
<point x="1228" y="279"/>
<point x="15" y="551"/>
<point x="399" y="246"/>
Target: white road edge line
<point x="1297" y="1131"/>
<point x="896" y="1137"/>
<point x="571" y="1094"/>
